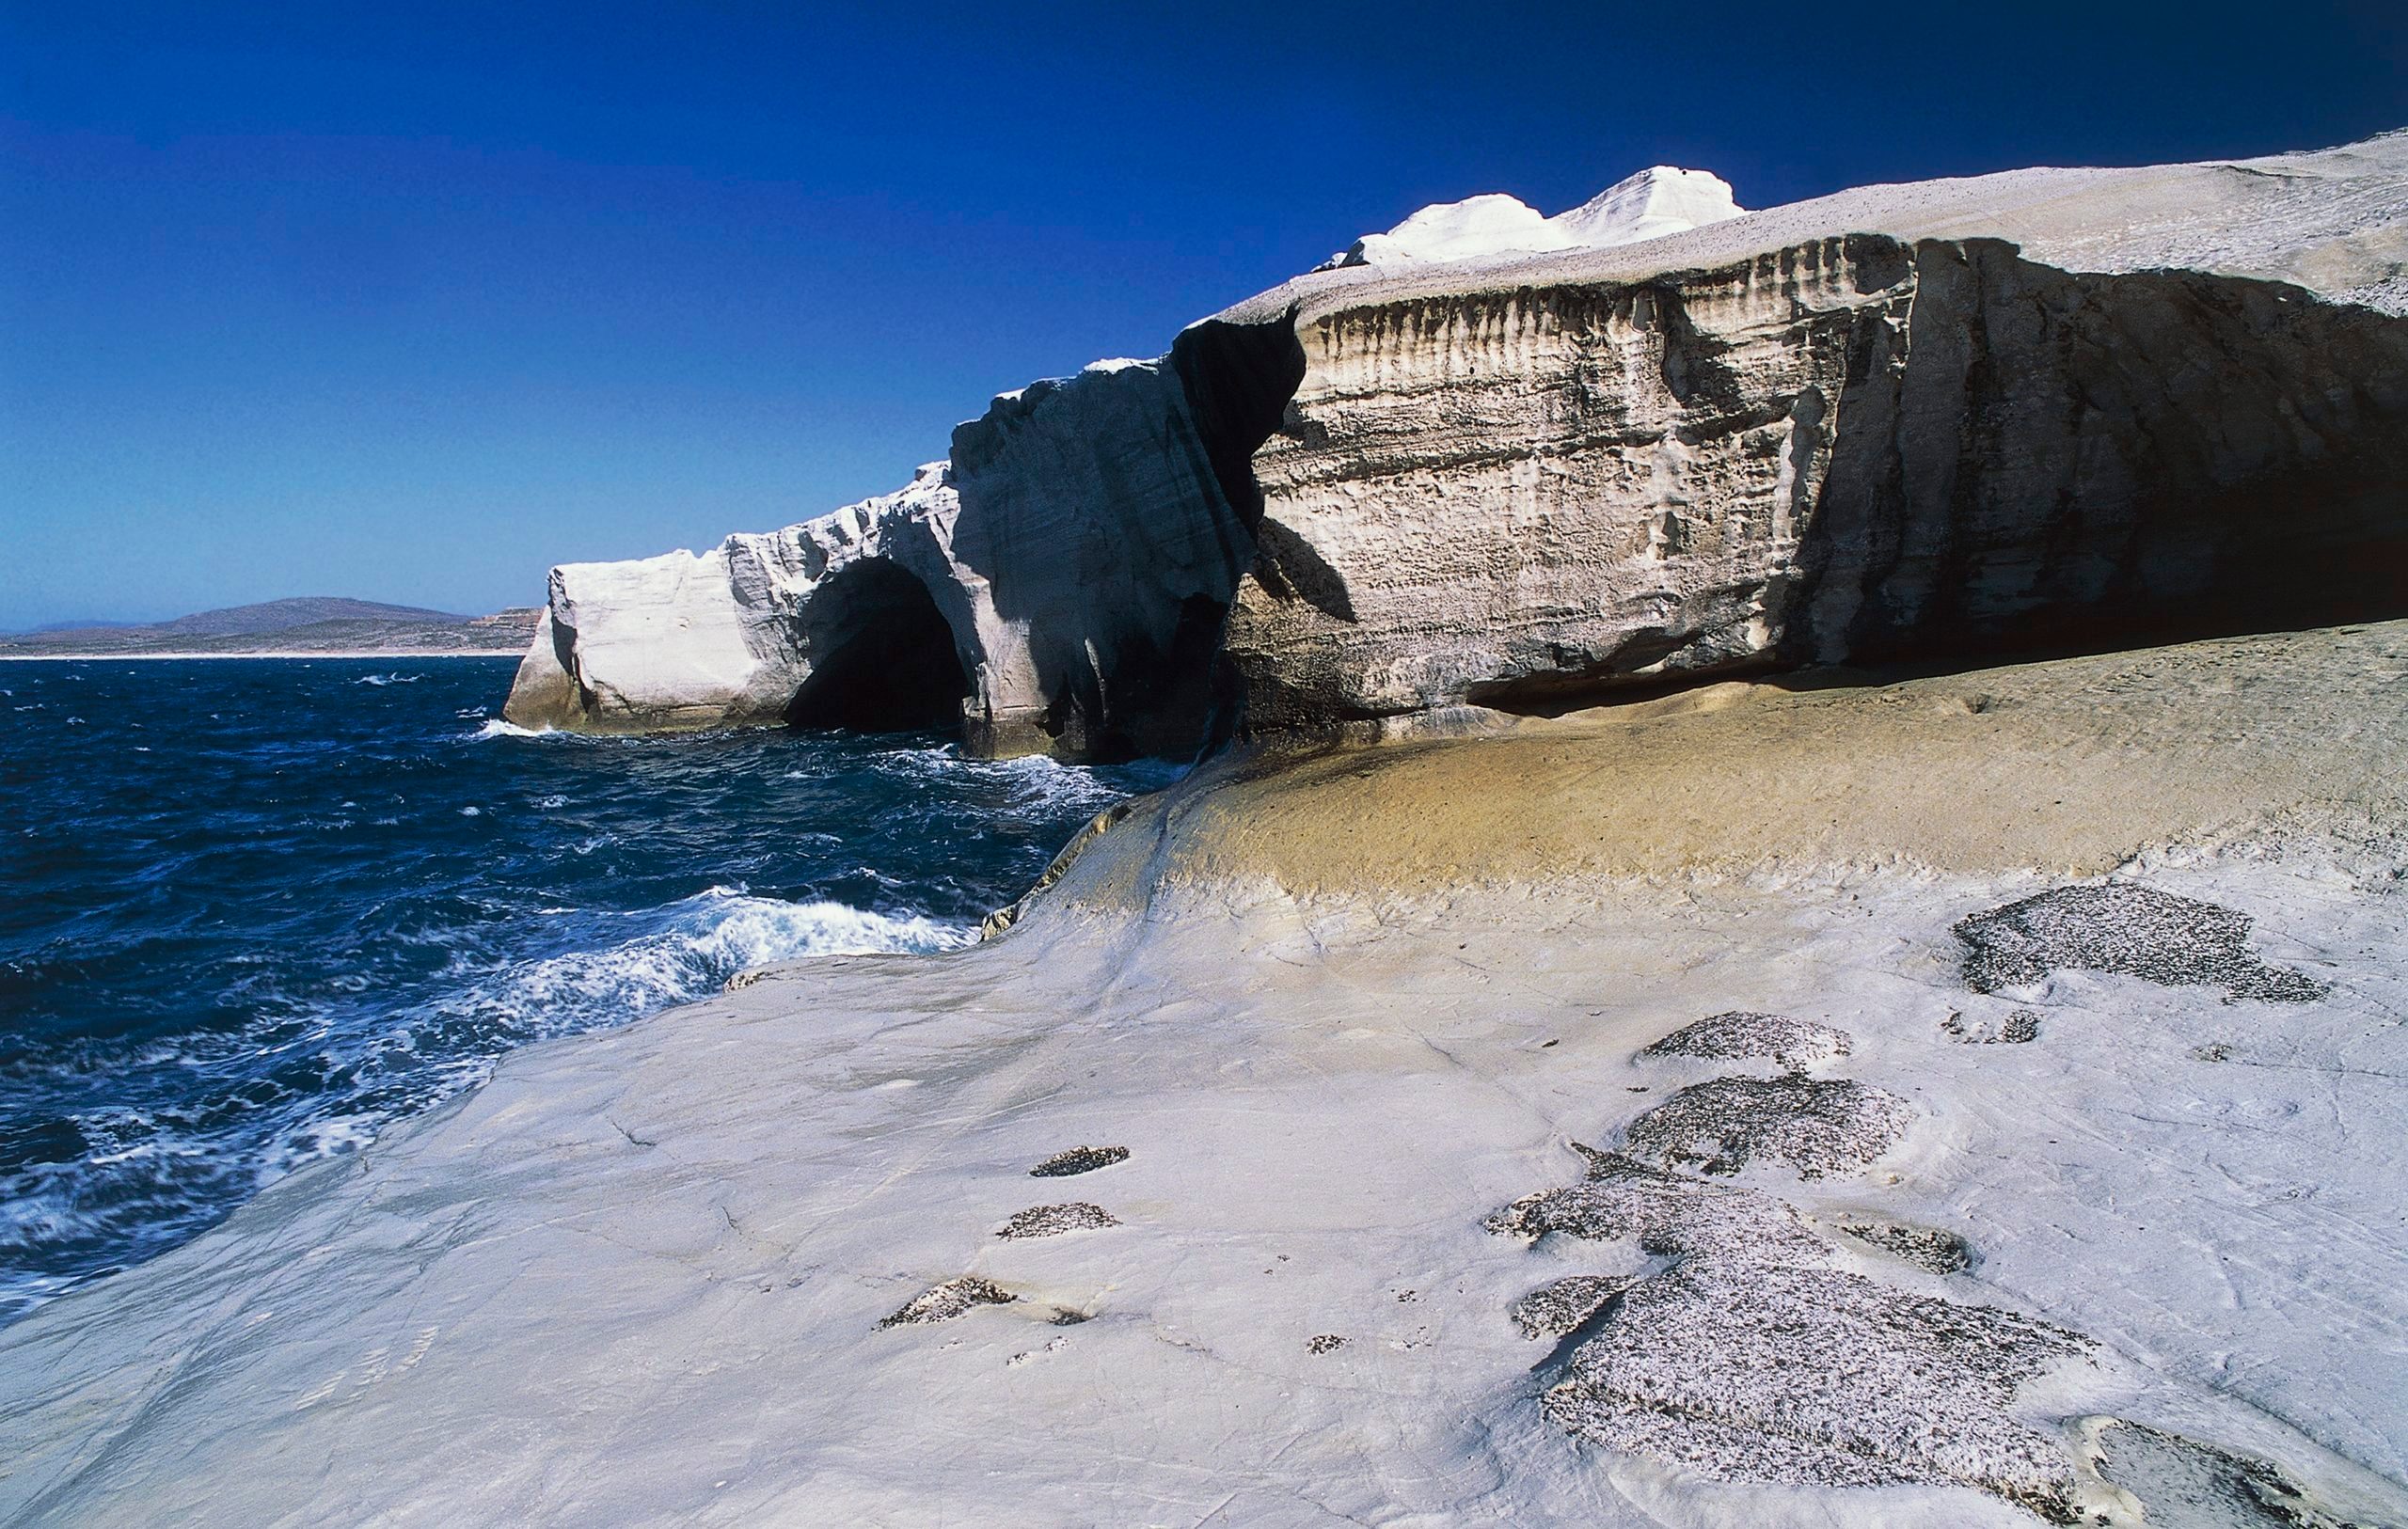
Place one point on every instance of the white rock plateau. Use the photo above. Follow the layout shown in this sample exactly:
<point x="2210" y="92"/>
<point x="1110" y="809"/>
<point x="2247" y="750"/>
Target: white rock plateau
<point x="2097" y="1212"/>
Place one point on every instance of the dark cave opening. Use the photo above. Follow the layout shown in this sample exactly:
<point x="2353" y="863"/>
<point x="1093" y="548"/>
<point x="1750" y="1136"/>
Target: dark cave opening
<point x="882" y="658"/>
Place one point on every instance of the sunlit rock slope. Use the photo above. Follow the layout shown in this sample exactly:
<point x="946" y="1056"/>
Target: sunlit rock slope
<point x="1970" y="1100"/>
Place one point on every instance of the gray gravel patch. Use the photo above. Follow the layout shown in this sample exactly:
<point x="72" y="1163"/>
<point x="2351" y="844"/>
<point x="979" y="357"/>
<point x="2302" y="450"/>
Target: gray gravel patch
<point x="2126" y="930"/>
<point x="1813" y="1126"/>
<point x="1053" y="1221"/>
<point x="2184" y="1484"/>
<point x="1926" y="1247"/>
<point x="1079" y="1159"/>
<point x="1553" y="1310"/>
<point x="1665" y="1213"/>
<point x="942" y="1303"/>
<point x="1816" y="1377"/>
<point x="1790" y="1043"/>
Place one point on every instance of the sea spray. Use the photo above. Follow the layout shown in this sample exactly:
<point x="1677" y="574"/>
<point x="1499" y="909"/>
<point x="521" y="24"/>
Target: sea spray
<point x="254" y="912"/>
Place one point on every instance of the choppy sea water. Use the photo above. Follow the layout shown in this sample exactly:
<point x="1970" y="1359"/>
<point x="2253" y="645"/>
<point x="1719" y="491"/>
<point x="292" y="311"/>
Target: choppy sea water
<point x="253" y="911"/>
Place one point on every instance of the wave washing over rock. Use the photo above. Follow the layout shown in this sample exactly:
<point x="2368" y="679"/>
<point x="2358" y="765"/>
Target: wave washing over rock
<point x="1963" y="1093"/>
<point x="275" y="909"/>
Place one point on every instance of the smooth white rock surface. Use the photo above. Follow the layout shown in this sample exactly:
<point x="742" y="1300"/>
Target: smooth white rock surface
<point x="640" y="1276"/>
<point x="1653" y="202"/>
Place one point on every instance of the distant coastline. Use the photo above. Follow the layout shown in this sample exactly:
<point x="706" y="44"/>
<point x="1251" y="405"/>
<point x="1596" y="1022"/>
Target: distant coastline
<point x="309" y="627"/>
<point x="183" y="657"/>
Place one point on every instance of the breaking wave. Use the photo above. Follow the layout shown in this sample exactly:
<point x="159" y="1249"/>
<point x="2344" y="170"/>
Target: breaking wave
<point x="496" y="728"/>
<point x="260" y="918"/>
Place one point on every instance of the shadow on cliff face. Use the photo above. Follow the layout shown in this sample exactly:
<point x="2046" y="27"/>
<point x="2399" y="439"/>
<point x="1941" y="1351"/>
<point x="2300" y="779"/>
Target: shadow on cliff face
<point x="2048" y="462"/>
<point x="1112" y="515"/>
<point x="882" y="656"/>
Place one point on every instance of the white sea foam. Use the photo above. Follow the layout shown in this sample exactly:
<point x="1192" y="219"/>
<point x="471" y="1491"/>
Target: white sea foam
<point x="389" y="679"/>
<point x="692" y="948"/>
<point x="496" y="727"/>
<point x="1036" y="781"/>
<point x="711" y="936"/>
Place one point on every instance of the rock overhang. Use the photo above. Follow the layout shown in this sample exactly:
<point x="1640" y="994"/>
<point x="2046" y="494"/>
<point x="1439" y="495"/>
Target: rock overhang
<point x="1758" y="443"/>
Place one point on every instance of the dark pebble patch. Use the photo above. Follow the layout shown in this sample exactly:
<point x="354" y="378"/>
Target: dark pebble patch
<point x="1079" y="1159"/>
<point x="2128" y="931"/>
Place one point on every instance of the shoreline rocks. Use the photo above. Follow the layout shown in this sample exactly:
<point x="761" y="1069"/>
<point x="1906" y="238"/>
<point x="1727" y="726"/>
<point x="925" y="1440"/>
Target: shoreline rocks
<point x="2045" y="412"/>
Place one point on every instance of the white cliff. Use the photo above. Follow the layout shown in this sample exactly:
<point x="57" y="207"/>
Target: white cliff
<point x="1058" y="584"/>
<point x="1520" y="461"/>
<point x="697" y="641"/>
<point x="1865" y="428"/>
<point x="1657" y="201"/>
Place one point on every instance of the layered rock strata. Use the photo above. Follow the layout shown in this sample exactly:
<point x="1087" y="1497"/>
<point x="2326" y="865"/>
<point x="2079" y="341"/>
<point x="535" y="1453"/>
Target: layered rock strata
<point x="2046" y="411"/>
<point x="1850" y="449"/>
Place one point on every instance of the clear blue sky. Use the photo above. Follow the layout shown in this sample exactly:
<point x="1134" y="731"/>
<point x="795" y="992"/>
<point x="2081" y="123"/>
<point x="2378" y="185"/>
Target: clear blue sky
<point x="410" y="302"/>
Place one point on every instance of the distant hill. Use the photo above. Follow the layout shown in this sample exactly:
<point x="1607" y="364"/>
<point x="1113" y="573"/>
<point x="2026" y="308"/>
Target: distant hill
<point x="314" y="625"/>
<point x="284" y="615"/>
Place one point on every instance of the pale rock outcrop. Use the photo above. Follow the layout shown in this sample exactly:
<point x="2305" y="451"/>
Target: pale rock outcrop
<point x="1057" y="585"/>
<point x="1657" y="201"/>
<point x="1780" y="440"/>
<point x="684" y="640"/>
<point x="1517" y="462"/>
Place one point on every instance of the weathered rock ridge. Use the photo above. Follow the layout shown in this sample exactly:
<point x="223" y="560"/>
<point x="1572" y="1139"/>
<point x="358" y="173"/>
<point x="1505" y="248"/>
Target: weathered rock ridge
<point x="1848" y="449"/>
<point x="1058" y="583"/>
<point x="2051" y="410"/>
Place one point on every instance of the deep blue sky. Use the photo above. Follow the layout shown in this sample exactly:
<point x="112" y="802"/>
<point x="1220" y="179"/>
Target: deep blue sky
<point x="311" y="300"/>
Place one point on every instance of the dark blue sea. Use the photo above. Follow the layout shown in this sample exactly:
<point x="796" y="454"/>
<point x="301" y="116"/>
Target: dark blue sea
<point x="254" y="911"/>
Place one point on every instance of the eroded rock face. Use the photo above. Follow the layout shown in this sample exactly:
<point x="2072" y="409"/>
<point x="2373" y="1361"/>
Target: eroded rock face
<point x="1057" y="585"/>
<point x="1522" y="463"/>
<point x="1846" y="449"/>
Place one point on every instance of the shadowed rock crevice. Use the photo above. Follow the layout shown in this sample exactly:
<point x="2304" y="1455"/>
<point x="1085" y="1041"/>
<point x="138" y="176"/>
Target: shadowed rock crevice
<point x="882" y="658"/>
<point x="1238" y="378"/>
<point x="2039" y="461"/>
